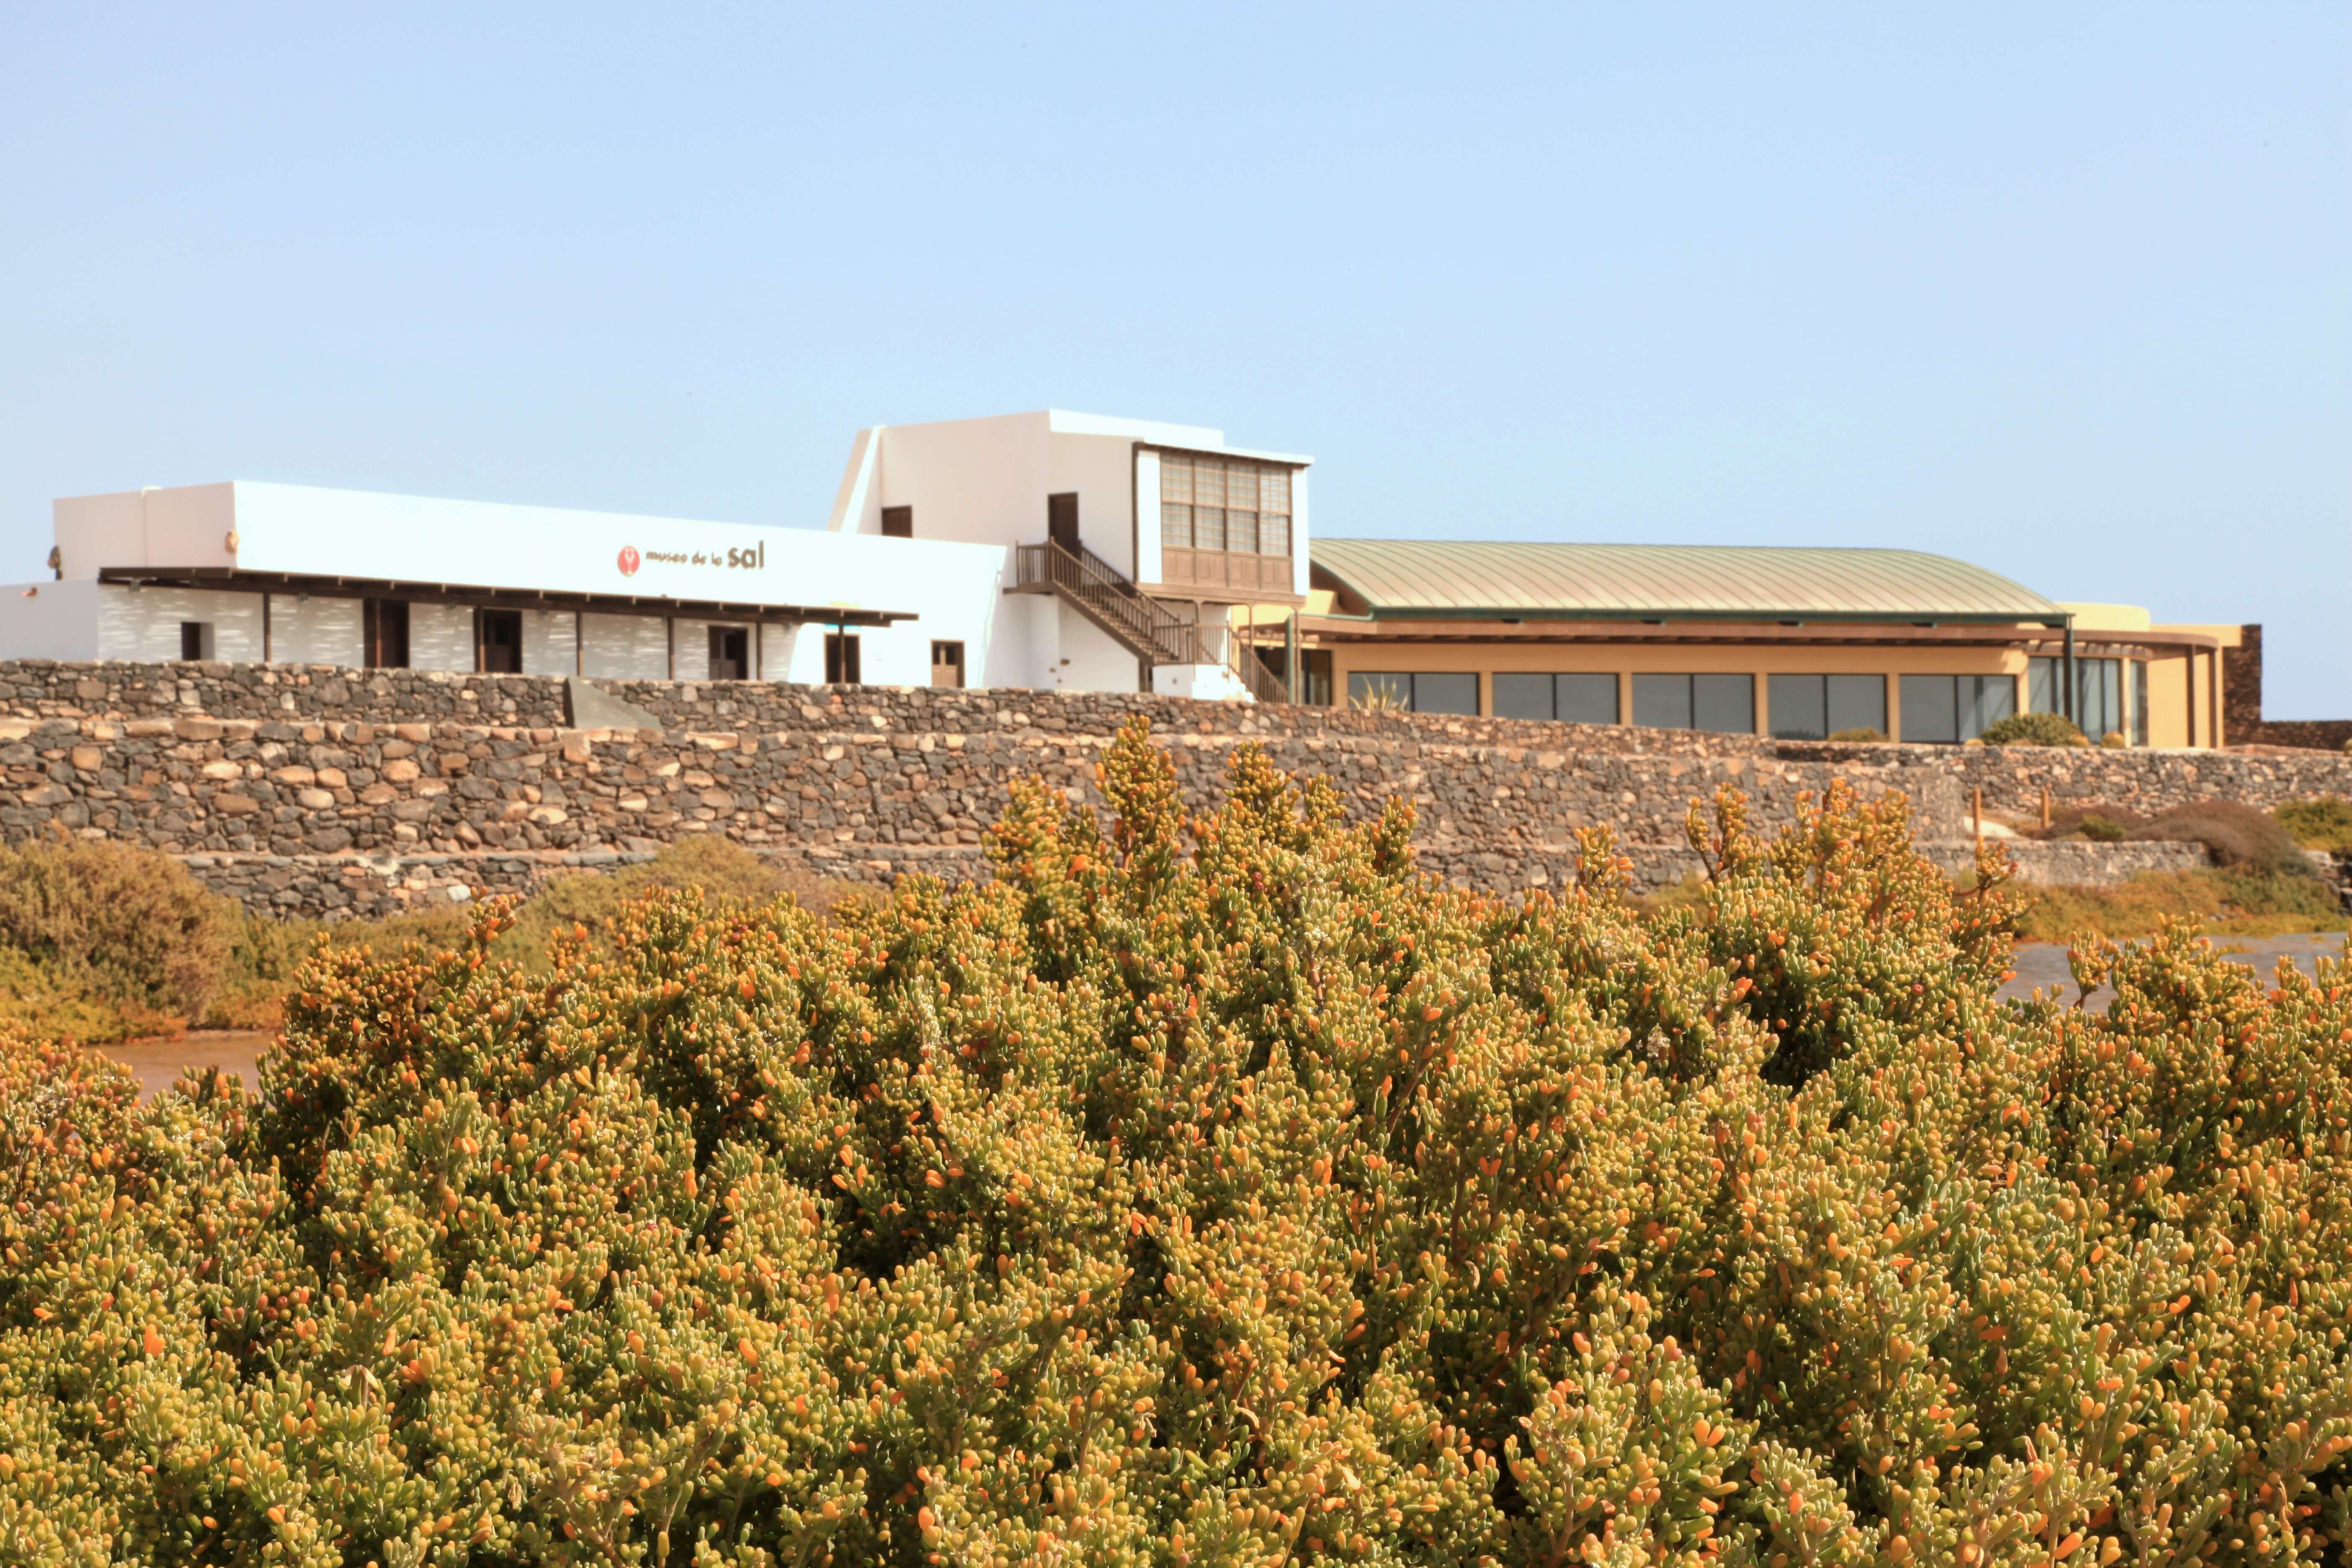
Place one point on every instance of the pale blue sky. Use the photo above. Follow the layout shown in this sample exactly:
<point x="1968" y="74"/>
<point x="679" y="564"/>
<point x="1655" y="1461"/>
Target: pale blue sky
<point x="2064" y="291"/>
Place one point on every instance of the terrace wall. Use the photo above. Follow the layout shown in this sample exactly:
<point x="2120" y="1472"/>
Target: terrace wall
<point x="321" y="790"/>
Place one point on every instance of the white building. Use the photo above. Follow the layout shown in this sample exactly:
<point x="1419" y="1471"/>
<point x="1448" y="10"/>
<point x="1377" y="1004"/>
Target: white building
<point x="1043" y="549"/>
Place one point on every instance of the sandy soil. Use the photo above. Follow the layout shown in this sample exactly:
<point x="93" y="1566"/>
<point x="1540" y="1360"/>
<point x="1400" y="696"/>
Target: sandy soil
<point x="158" y="1062"/>
<point x="2042" y="964"/>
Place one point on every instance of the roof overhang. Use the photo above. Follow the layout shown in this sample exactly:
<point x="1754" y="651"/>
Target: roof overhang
<point x="1276" y="459"/>
<point x="236" y="580"/>
<point x="1623" y="617"/>
<point x="1419" y="628"/>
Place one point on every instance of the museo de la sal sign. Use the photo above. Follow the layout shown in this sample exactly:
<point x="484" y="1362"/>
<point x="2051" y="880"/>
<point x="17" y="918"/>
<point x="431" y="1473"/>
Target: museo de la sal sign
<point x="753" y="559"/>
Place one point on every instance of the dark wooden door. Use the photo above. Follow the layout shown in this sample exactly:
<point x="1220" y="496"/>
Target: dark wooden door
<point x="499" y="641"/>
<point x="1062" y="520"/>
<point x="731" y="653"/>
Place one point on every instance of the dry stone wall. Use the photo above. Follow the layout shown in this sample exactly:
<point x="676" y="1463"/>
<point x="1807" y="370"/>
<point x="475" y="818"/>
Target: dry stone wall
<point x="323" y="791"/>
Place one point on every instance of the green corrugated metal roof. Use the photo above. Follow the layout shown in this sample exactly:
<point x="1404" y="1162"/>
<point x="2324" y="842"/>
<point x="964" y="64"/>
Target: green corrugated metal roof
<point x="1679" y="582"/>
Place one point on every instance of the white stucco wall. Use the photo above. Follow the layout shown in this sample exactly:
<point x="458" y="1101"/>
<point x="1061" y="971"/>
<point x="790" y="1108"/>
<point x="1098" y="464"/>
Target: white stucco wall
<point x="626" y="647"/>
<point x="778" y="645"/>
<point x="312" y="630"/>
<point x="441" y="636"/>
<point x="973" y="481"/>
<point x="1149" y="567"/>
<point x="548" y="645"/>
<point x="144" y="622"/>
<point x="1300" y="533"/>
<point x="1089" y="659"/>
<point x="1101" y="470"/>
<point x="49" y="620"/>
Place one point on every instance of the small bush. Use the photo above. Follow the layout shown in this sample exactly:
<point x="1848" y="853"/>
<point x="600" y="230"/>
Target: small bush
<point x="2324" y="823"/>
<point x="2114" y="741"/>
<point x="129" y="925"/>
<point x="2103" y="829"/>
<point x="717" y="867"/>
<point x="1864" y="736"/>
<point x="268" y="952"/>
<point x="2303" y="902"/>
<point x="2035" y="730"/>
<point x="2237" y="836"/>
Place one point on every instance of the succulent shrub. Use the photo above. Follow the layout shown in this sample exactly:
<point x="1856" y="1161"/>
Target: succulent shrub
<point x="1210" y="1186"/>
<point x="2035" y="730"/>
<point x="2323" y="822"/>
<point x="1866" y="735"/>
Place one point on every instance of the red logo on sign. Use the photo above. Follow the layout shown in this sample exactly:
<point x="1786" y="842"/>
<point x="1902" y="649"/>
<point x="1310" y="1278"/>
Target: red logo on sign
<point x="628" y="561"/>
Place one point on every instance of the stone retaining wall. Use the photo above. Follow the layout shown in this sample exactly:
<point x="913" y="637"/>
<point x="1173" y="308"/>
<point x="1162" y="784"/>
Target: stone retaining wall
<point x="324" y="790"/>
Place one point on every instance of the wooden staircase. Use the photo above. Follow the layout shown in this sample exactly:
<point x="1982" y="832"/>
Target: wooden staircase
<point x="1130" y="617"/>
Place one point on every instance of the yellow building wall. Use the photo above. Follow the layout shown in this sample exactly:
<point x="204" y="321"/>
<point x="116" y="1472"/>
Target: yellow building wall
<point x="1627" y="660"/>
<point x="2171" y="700"/>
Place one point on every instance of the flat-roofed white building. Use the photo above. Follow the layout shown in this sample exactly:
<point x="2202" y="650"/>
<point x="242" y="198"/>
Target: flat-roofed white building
<point x="1133" y="540"/>
<point x="1032" y="550"/>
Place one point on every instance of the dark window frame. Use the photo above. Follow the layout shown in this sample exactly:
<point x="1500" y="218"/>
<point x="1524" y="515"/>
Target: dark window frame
<point x="1836" y="691"/>
<point x="1409" y="685"/>
<point x="844" y="659"/>
<point x="1546" y="694"/>
<point x="486" y="654"/>
<point x="1972" y="708"/>
<point x="729" y="648"/>
<point x="383" y="634"/>
<point x="1653" y="687"/>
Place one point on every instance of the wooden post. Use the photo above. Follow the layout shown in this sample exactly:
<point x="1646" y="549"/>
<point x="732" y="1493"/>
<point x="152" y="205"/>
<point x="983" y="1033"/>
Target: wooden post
<point x="669" y="638"/>
<point x="1290" y="655"/>
<point x="2213" y="696"/>
<point x="1978" y="796"/>
<point x="2189" y="679"/>
<point x="264" y="633"/>
<point x="2066" y="704"/>
<point x="2045" y="809"/>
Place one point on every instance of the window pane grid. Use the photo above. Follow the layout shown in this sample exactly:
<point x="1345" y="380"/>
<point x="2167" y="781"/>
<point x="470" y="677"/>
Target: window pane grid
<point x="1238" y="507"/>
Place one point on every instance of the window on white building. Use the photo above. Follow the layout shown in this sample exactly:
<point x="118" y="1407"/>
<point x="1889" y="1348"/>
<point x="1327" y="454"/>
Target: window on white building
<point x="841" y="661"/>
<point x="947" y="664"/>
<point x="383" y="631"/>
<point x="1224" y="521"/>
<point x="731" y="653"/>
<point x="498" y="642"/>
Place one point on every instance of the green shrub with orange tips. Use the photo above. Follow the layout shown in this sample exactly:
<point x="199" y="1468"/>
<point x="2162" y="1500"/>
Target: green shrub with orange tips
<point x="1211" y="1186"/>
